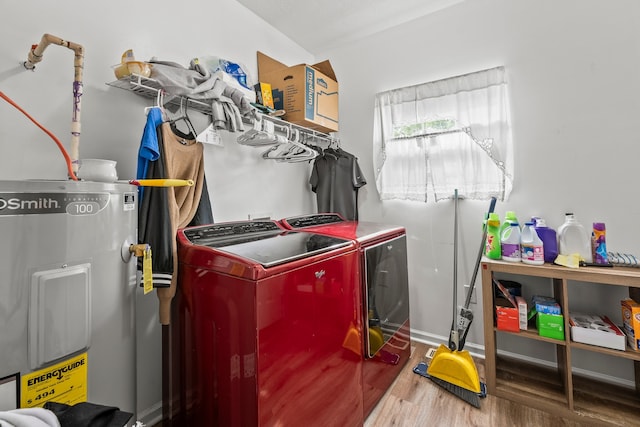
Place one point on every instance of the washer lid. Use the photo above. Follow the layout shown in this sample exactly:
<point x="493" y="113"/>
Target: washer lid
<point x="265" y="245"/>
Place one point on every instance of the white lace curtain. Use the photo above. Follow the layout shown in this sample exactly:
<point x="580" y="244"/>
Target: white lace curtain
<point x="433" y="138"/>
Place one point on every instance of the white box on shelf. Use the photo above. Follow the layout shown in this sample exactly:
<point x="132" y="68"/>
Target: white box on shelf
<point x="596" y="330"/>
<point x="523" y="313"/>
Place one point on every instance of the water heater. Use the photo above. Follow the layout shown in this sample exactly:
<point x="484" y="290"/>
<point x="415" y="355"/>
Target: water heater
<point x="67" y="293"/>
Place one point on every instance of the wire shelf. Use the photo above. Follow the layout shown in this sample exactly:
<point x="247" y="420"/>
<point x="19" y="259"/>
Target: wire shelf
<point x="150" y="88"/>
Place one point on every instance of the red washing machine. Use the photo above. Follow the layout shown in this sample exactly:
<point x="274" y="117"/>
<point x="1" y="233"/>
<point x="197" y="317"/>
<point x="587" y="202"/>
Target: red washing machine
<point x="383" y="278"/>
<point x="266" y="329"/>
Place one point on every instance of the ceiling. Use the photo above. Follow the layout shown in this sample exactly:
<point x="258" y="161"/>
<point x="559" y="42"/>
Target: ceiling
<point x="319" y="25"/>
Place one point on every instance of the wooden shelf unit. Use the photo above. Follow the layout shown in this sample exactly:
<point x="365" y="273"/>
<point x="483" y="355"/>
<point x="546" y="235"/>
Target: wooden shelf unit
<point x="558" y="390"/>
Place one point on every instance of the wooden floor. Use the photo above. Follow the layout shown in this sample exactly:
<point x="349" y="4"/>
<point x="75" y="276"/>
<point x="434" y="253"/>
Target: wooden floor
<point x="413" y="401"/>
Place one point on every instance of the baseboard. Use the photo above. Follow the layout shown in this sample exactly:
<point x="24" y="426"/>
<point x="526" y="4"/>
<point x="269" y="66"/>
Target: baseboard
<point x="151" y="416"/>
<point x="435" y="340"/>
<point x="477" y="350"/>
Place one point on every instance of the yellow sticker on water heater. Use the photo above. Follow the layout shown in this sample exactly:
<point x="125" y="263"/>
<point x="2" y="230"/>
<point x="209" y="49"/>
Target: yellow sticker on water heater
<point x="65" y="382"/>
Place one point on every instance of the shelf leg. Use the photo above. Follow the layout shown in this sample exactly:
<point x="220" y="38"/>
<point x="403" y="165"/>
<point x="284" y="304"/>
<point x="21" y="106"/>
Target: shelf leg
<point x="489" y="331"/>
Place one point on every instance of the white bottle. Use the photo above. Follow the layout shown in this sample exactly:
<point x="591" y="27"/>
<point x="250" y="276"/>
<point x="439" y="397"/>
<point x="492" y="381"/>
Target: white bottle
<point x="510" y="242"/>
<point x="531" y="247"/>
<point x="573" y="238"/>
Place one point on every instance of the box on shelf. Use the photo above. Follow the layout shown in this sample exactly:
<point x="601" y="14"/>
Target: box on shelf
<point x="631" y="322"/>
<point x="596" y="330"/>
<point x="550" y="325"/>
<point x="547" y="305"/>
<point x="278" y="99"/>
<point x="523" y="314"/>
<point x="264" y="95"/>
<point x="507" y="316"/>
<point x="309" y="92"/>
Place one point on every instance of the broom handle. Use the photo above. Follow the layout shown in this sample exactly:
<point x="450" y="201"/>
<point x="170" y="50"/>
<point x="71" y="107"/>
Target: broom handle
<point x="453" y="335"/>
<point x="492" y="206"/>
<point x="462" y="339"/>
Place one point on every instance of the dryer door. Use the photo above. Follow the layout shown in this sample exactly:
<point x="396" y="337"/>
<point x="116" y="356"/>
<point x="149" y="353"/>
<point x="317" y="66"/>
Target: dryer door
<point x="387" y="291"/>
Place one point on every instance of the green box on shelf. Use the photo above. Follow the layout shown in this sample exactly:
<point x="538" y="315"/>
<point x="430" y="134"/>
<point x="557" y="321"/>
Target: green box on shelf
<point x="550" y="325"/>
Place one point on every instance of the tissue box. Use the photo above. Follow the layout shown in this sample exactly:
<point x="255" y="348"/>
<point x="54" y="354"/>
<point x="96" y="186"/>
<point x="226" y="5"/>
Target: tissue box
<point x="631" y="322"/>
<point x="310" y="92"/>
<point x="550" y="325"/>
<point x="596" y="330"/>
<point x="547" y="305"/>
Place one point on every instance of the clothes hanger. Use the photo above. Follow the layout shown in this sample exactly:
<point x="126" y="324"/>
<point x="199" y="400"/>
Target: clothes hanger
<point x="262" y="133"/>
<point x="184" y="118"/>
<point x="290" y="149"/>
<point x="157" y="105"/>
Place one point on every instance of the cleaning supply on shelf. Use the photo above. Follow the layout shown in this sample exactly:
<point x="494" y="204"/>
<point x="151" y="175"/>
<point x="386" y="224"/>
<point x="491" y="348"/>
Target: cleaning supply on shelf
<point x="573" y="238"/>
<point x="549" y="239"/>
<point x="509" y="218"/>
<point x="531" y="246"/>
<point x="510" y="242"/>
<point x="492" y="245"/>
<point x="599" y="244"/>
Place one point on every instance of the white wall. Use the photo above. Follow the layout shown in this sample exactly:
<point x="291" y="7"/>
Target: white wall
<point x="573" y="70"/>
<point x="240" y="181"/>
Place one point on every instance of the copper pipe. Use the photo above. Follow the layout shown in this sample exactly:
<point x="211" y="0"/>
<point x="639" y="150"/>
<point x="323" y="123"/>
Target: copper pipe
<point x="35" y="56"/>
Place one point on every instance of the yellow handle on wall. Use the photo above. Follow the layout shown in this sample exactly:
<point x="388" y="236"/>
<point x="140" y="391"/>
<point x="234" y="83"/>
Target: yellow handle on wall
<point x="162" y="182"/>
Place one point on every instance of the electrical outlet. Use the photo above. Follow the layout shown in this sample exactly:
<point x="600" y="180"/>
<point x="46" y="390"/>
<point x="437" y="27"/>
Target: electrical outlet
<point x="474" y="299"/>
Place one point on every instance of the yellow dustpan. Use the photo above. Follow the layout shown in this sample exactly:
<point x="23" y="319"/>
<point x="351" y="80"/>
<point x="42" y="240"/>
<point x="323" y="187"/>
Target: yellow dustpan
<point x="455" y="367"/>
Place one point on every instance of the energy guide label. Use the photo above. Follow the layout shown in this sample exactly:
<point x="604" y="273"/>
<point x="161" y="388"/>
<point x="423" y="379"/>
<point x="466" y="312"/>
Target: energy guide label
<point x="65" y="382"/>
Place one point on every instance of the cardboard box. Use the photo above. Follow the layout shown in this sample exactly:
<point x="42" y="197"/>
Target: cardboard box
<point x="310" y="92"/>
<point x="507" y="316"/>
<point x="550" y="325"/>
<point x="631" y="322"/>
<point x="596" y="330"/>
<point x="523" y="314"/>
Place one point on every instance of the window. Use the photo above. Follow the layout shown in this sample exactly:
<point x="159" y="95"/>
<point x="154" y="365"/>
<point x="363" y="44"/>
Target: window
<point x="433" y="138"/>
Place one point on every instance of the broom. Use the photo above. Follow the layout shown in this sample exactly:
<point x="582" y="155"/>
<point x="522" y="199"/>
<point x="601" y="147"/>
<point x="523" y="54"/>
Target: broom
<point x="451" y="368"/>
